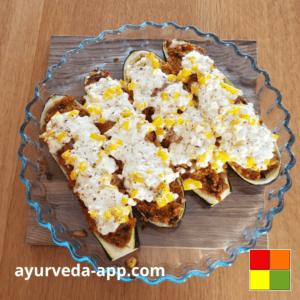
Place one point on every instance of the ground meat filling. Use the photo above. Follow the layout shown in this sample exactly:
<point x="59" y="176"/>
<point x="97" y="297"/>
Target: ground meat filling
<point x="213" y="183"/>
<point x="105" y="126"/>
<point x="256" y="175"/>
<point x="169" y="214"/>
<point x="240" y="100"/>
<point x="122" y="235"/>
<point x="174" y="55"/>
<point x="94" y="77"/>
<point x="148" y="112"/>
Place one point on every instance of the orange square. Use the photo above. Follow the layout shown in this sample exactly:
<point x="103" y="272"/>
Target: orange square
<point x="280" y="259"/>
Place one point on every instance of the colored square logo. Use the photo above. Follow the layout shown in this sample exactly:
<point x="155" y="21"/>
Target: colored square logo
<point x="280" y="280"/>
<point x="259" y="259"/>
<point x="259" y="280"/>
<point x="280" y="259"/>
<point x="270" y="270"/>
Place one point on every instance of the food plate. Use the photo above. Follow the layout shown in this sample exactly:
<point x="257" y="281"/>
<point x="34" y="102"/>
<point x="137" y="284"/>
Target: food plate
<point x="206" y="237"/>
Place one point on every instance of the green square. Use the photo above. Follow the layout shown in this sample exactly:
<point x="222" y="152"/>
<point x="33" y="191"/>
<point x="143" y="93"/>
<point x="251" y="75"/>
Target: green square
<point x="280" y="280"/>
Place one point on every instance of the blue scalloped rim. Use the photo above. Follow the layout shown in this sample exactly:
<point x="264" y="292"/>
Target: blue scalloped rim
<point x="214" y="264"/>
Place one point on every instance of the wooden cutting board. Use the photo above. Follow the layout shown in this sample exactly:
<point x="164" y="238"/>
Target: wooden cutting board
<point x="219" y="225"/>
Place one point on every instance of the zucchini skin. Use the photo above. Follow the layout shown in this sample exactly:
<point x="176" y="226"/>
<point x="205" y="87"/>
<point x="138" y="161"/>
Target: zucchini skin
<point x="262" y="181"/>
<point x="49" y="104"/>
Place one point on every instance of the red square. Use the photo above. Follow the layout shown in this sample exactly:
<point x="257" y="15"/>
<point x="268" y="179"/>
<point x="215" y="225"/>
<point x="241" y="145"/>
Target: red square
<point x="259" y="259"/>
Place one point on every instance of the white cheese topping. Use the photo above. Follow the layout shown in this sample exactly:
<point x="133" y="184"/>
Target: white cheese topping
<point x="194" y="137"/>
<point x="92" y="168"/>
<point x="105" y="100"/>
<point x="153" y="88"/>
<point x="145" y="169"/>
<point x="243" y="140"/>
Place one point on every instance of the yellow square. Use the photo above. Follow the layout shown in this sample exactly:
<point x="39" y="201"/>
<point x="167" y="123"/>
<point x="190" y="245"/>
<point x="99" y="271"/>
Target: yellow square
<point x="259" y="280"/>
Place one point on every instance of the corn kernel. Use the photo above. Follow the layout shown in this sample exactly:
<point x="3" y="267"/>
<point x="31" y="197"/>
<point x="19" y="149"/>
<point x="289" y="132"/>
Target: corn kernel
<point x="202" y="158"/>
<point x="215" y="165"/>
<point x="141" y="105"/>
<point x="101" y="120"/>
<point x="73" y="174"/>
<point x="83" y="166"/>
<point x="122" y="83"/>
<point x="171" y="77"/>
<point x="159" y="131"/>
<point x="162" y="154"/>
<point x="93" y="214"/>
<point x="186" y="72"/>
<point x="132" y="85"/>
<point x="126" y="113"/>
<point x="107" y="95"/>
<point x="119" y="90"/>
<point x="169" y="122"/>
<point x="97" y="137"/>
<point x="190" y="184"/>
<point x="107" y="215"/>
<point x="124" y="219"/>
<point x="175" y="95"/>
<point x="229" y="88"/>
<point x="169" y="197"/>
<point x="155" y="63"/>
<point x="150" y="55"/>
<point x="192" y="59"/>
<point x="112" y="147"/>
<point x="164" y="96"/>
<point x="126" y="125"/>
<point x="208" y="135"/>
<point x="158" y="122"/>
<point x="195" y="68"/>
<point x="73" y="113"/>
<point x="125" y="200"/>
<point x="118" y="141"/>
<point x="194" y="89"/>
<point x="60" y="136"/>
<point x="235" y="122"/>
<point x="137" y="177"/>
<point x="245" y="117"/>
<point x="133" y="193"/>
<point x="250" y="162"/>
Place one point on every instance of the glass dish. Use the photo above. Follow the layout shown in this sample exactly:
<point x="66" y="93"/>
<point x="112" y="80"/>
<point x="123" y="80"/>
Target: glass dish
<point x="46" y="184"/>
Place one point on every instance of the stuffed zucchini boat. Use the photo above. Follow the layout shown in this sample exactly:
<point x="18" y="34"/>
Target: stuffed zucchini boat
<point x="144" y="168"/>
<point x="249" y="147"/>
<point x="77" y="146"/>
<point x="179" y="128"/>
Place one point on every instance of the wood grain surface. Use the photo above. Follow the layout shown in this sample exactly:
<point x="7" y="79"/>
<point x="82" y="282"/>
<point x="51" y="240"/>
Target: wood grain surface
<point x="25" y="34"/>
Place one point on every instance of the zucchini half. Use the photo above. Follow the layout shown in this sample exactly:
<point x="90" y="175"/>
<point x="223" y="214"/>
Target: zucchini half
<point x="158" y="224"/>
<point x="133" y="57"/>
<point x="101" y="74"/>
<point x="112" y="251"/>
<point x="212" y="199"/>
<point x="271" y="176"/>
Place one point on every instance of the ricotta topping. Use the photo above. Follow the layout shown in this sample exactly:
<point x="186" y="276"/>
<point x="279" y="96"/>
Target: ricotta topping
<point x="105" y="100"/>
<point x="195" y="139"/>
<point x="153" y="88"/>
<point x="243" y="139"/>
<point x="146" y="167"/>
<point x="92" y="168"/>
